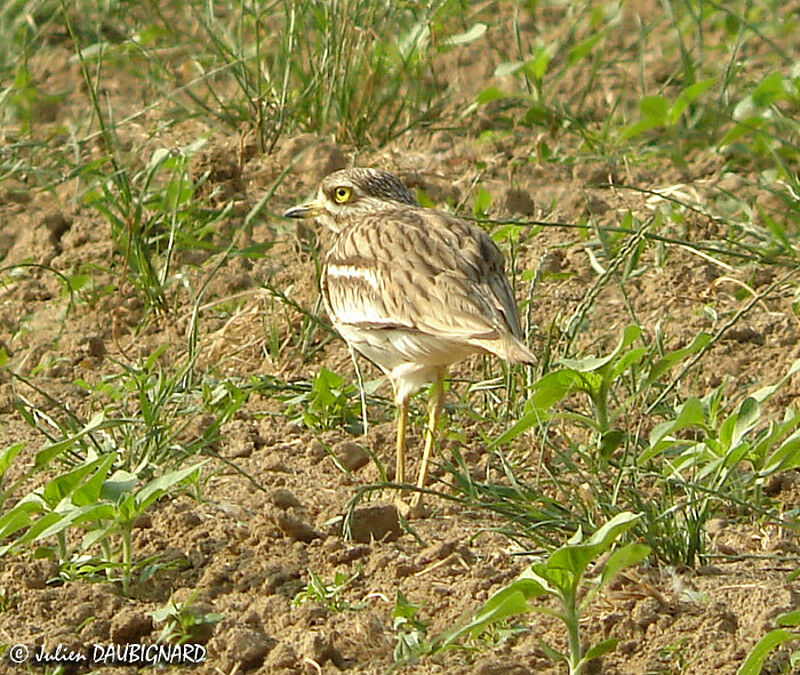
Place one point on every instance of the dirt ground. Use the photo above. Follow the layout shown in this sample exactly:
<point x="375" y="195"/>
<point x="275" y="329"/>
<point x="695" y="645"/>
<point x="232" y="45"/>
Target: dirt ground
<point x="245" y="550"/>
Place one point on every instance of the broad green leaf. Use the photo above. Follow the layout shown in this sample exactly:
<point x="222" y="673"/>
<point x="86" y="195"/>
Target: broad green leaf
<point x="483" y="200"/>
<point x="687" y="96"/>
<point x="509" y="601"/>
<point x="629" y="358"/>
<point x="8" y="456"/>
<point x="547" y="391"/>
<point x="769" y="90"/>
<point x="654" y="108"/>
<point x="488" y="95"/>
<point x="43" y="523"/>
<point x="599" y="649"/>
<point x="88" y="512"/>
<point x="742" y="128"/>
<point x="764" y="393"/>
<point x="118" y="484"/>
<point x="574" y="558"/>
<point x="786" y="457"/>
<point x="746" y="418"/>
<point x="689" y="414"/>
<point x="12" y="521"/>
<point x="668" y="360"/>
<point x="584" y="47"/>
<point x="537" y="66"/>
<point x="62" y="486"/>
<point x="637" y="128"/>
<point x="510" y="604"/>
<point x="631" y="333"/>
<point x="755" y="659"/>
<point x="791" y="618"/>
<point x="626" y="556"/>
<point x="608" y="533"/>
<point x="89" y="492"/>
<point x="156" y="488"/>
<point x="94" y="536"/>
<point x="610" y="441"/>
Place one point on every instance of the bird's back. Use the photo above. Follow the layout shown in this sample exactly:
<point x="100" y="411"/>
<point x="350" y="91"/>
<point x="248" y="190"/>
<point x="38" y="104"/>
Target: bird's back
<point x="418" y="270"/>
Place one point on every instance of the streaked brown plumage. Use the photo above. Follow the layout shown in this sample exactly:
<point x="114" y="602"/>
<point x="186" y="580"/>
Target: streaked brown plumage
<point x="413" y="289"/>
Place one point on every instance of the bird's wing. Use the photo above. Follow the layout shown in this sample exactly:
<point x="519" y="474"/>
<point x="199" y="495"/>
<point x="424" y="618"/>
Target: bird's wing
<point x="420" y="269"/>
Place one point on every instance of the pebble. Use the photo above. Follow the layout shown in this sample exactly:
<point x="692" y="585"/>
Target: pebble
<point x="378" y="522"/>
<point x="294" y="528"/>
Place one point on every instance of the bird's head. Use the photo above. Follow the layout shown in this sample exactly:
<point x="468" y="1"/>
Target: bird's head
<point x="353" y="192"/>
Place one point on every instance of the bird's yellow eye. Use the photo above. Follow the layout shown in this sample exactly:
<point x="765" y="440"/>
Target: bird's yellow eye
<point x="342" y="194"/>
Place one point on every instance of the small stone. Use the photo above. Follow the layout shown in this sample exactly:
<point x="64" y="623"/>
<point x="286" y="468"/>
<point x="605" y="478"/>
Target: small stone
<point x="191" y="519"/>
<point x="716" y="525"/>
<point x="18" y="195"/>
<point x="284" y="499"/>
<point x="296" y="529"/>
<point x="318" y="647"/>
<point x="95" y="347"/>
<point x="551" y="262"/>
<point x="349" y="554"/>
<point x="404" y="569"/>
<point x="351" y="455"/>
<point x="745" y="334"/>
<point x="316" y="451"/>
<point x="519" y="201"/>
<point x="143" y="522"/>
<point x="375" y="522"/>
<point x="275" y="464"/>
<point x="487" y="666"/>
<point x="281" y="656"/>
<point x="36" y="573"/>
<point x="57" y="223"/>
<point x="248" y="647"/>
<point x="727" y="549"/>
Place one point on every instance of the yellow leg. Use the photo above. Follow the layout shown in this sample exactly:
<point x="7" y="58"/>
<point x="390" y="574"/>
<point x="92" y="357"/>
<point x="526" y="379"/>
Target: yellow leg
<point x="402" y="418"/>
<point x="435" y="408"/>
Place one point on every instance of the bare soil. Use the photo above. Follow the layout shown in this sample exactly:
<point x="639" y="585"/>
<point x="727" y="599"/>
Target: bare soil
<point x="246" y="549"/>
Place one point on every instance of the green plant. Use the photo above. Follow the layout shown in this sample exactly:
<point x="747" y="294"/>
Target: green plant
<point x="92" y="499"/>
<point x="359" y="69"/>
<point x="561" y="576"/>
<point x="410" y="631"/>
<point x="184" y="622"/>
<point x="752" y="665"/>
<point x="153" y="212"/>
<point x="329" y="402"/>
<point x="328" y="595"/>
<point x="597" y="377"/>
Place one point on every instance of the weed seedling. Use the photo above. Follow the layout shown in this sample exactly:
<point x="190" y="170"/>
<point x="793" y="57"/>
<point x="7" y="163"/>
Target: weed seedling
<point x="410" y="631"/>
<point x="184" y="622"/>
<point x="561" y="576"/>
<point x="89" y="497"/>
<point x="755" y="659"/>
<point x="329" y="595"/>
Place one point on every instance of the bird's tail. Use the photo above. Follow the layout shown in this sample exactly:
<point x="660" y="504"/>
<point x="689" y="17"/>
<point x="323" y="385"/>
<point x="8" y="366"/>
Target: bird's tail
<point x="511" y="349"/>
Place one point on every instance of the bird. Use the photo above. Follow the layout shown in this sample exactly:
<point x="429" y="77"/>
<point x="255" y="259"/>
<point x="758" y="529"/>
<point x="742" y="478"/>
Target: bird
<point x="413" y="289"/>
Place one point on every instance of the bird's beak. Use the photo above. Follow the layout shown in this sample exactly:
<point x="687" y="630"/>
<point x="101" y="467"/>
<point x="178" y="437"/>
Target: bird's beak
<point x="306" y="210"/>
